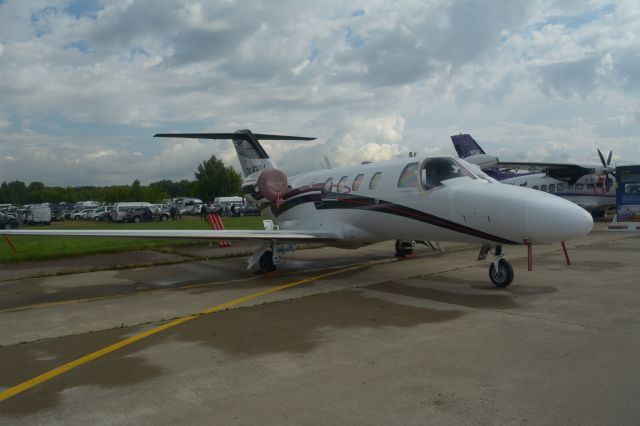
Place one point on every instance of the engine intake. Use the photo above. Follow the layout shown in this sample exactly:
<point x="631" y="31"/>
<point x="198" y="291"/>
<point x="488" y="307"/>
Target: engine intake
<point x="272" y="184"/>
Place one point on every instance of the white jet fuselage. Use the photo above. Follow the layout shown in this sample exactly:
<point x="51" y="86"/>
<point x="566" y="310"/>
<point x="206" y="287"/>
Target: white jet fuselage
<point x="389" y="203"/>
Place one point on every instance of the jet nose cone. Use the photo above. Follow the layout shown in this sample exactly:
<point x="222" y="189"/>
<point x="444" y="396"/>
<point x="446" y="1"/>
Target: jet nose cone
<point x="555" y="219"/>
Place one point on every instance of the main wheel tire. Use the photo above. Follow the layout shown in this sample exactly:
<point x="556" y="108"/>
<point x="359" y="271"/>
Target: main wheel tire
<point x="503" y="276"/>
<point x="7" y="226"/>
<point x="137" y="219"/>
<point x="266" y="262"/>
<point x="402" y="251"/>
<point x="164" y="218"/>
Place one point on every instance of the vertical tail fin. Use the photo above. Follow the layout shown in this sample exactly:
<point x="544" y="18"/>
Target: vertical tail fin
<point x="466" y="146"/>
<point x="251" y="154"/>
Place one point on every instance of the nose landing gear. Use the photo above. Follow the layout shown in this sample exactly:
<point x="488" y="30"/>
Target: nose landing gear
<point x="502" y="275"/>
<point x="500" y="270"/>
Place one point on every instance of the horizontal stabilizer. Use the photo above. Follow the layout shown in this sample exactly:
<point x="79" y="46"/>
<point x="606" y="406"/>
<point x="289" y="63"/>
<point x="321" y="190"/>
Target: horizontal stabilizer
<point x="251" y="154"/>
<point x="237" y="136"/>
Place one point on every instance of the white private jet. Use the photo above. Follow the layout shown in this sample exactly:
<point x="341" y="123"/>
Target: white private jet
<point x="589" y="185"/>
<point x="430" y="199"/>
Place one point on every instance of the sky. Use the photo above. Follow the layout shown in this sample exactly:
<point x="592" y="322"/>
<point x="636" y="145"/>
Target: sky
<point x="84" y="85"/>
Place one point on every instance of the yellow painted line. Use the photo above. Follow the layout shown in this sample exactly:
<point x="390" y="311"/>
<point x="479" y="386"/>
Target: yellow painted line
<point x="116" y="296"/>
<point x="163" y="290"/>
<point x="14" y="390"/>
<point x="62" y="302"/>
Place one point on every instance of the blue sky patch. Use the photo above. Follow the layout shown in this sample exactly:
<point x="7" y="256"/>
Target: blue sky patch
<point x="83" y="8"/>
<point x="578" y="21"/>
<point x="353" y="40"/>
<point x="313" y="53"/>
<point x="82" y="46"/>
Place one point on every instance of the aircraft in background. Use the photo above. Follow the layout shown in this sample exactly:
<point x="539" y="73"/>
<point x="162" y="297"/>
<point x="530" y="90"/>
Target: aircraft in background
<point x="436" y="198"/>
<point x="591" y="186"/>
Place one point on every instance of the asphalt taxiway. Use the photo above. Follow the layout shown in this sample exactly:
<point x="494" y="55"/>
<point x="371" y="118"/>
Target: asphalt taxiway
<point x="338" y="336"/>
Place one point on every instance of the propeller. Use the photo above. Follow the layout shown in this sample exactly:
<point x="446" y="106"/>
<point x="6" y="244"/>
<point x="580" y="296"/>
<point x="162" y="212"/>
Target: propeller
<point x="608" y="170"/>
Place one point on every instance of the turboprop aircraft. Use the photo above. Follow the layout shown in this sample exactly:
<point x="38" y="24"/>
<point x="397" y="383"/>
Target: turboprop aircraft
<point x="589" y="185"/>
<point x="437" y="198"/>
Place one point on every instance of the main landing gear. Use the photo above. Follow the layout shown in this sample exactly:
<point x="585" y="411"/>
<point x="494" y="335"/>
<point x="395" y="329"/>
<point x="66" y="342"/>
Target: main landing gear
<point x="500" y="270"/>
<point x="268" y="262"/>
<point x="404" y="248"/>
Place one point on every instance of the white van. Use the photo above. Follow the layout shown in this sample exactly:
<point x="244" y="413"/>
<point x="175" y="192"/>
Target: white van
<point x="39" y="214"/>
<point x="120" y="210"/>
<point x="187" y="202"/>
<point x="228" y="200"/>
<point x="81" y="205"/>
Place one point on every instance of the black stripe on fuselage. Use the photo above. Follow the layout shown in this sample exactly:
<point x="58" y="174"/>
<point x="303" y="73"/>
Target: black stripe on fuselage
<point x="351" y="201"/>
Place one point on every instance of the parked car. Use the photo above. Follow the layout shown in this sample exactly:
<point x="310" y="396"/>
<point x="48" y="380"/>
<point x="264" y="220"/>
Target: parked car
<point x="163" y="207"/>
<point x="82" y="214"/>
<point x="160" y="213"/>
<point x="119" y="210"/>
<point x="191" y="210"/>
<point x="101" y="213"/>
<point x="216" y="208"/>
<point x="8" y="222"/>
<point x="146" y="214"/>
<point x="249" y="210"/>
<point x="57" y="212"/>
<point x="235" y="209"/>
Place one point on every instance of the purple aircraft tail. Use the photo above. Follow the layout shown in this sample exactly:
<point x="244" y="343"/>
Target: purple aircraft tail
<point x="466" y="146"/>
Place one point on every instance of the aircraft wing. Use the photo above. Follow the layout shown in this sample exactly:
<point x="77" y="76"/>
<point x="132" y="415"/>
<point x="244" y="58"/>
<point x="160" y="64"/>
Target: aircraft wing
<point x="251" y="235"/>
<point x="560" y="171"/>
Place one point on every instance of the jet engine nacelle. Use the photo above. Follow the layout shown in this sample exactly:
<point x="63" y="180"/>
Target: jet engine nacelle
<point x="268" y="184"/>
<point x="484" y="161"/>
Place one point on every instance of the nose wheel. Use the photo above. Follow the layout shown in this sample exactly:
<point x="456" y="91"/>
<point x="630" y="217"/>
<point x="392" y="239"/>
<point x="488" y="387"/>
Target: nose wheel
<point x="501" y="273"/>
<point x="500" y="270"/>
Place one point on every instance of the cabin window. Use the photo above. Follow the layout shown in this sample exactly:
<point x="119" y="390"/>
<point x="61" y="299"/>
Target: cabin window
<point x="569" y="187"/>
<point x="341" y="184"/>
<point x="543" y="188"/>
<point x="357" y="182"/>
<point x="409" y="176"/>
<point x="579" y="186"/>
<point x="328" y="185"/>
<point x="552" y="187"/>
<point x="436" y="170"/>
<point x="560" y="187"/>
<point x="535" y="187"/>
<point x="375" y="180"/>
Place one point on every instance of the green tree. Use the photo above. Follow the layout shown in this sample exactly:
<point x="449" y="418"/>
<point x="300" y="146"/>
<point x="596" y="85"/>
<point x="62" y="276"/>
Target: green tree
<point x="136" y="190"/>
<point x="17" y="192"/>
<point x="214" y="179"/>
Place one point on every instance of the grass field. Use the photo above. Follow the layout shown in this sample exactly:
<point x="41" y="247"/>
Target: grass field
<point x="42" y="248"/>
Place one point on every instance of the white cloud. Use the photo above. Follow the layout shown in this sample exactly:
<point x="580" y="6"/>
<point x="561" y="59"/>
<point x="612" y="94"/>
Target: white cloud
<point x="4" y="123"/>
<point x="542" y="78"/>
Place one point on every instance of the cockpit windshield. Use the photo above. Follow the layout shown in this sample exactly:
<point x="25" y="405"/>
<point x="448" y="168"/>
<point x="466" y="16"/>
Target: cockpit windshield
<point x="436" y="170"/>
